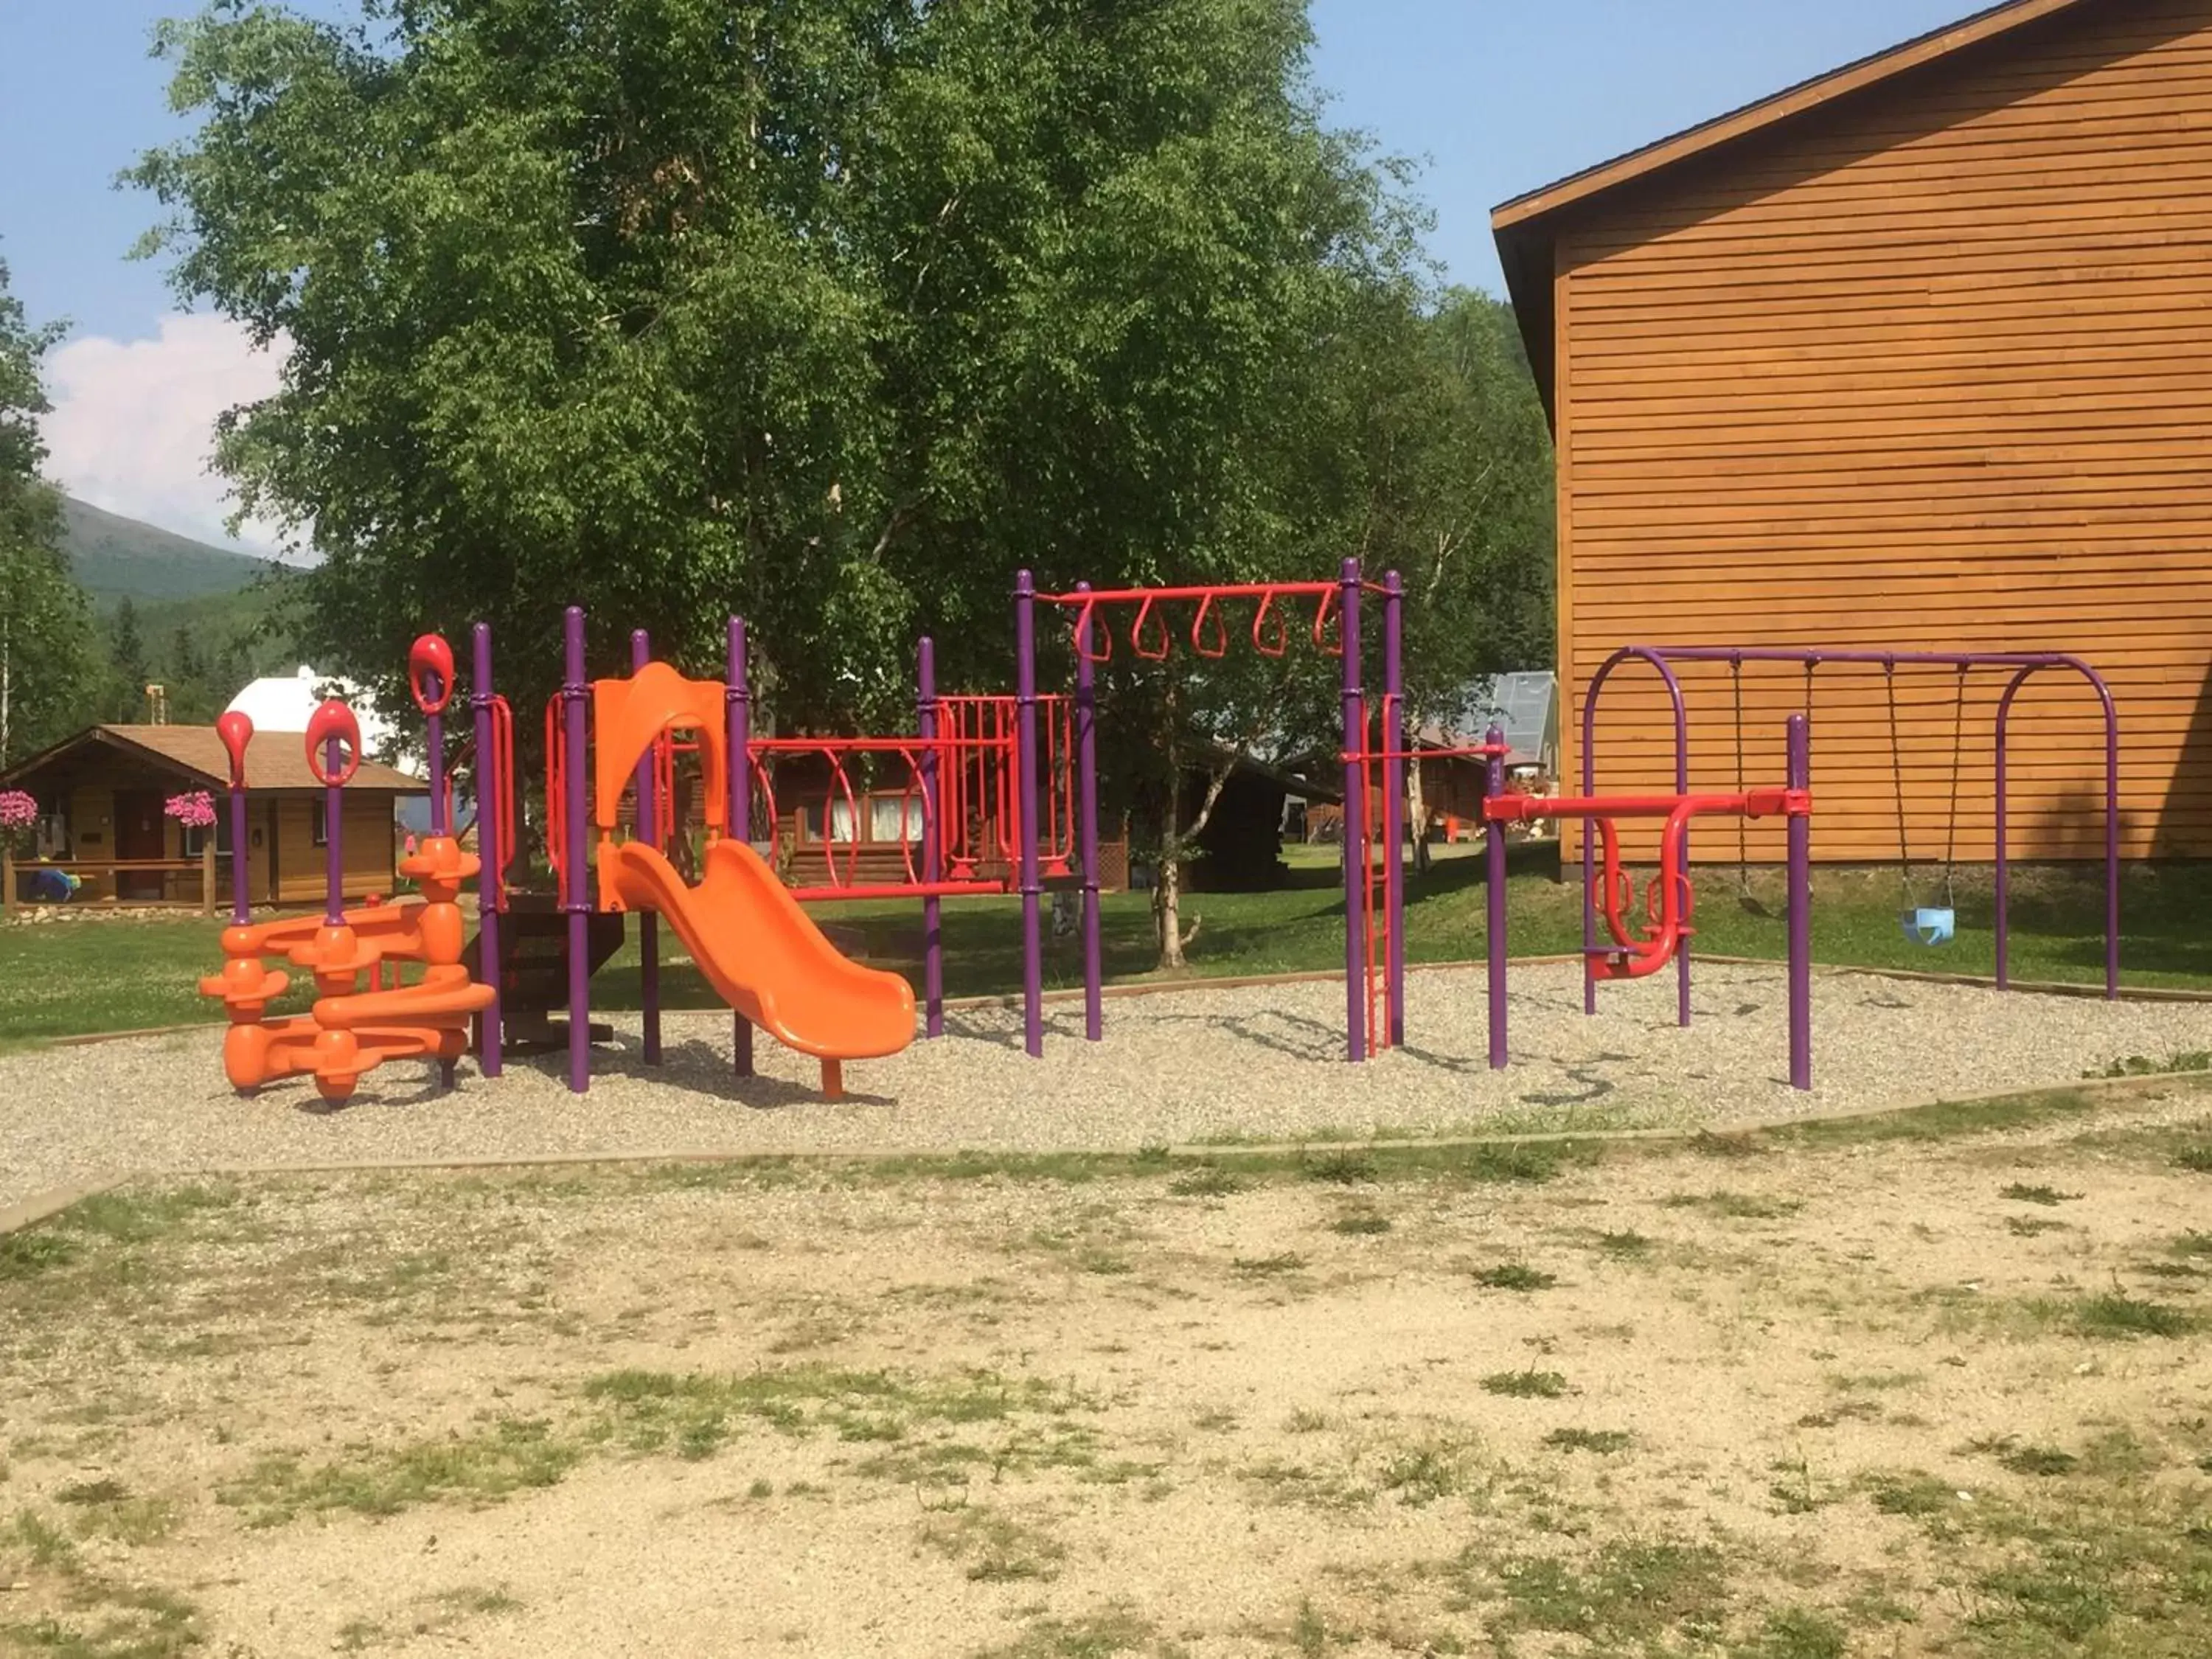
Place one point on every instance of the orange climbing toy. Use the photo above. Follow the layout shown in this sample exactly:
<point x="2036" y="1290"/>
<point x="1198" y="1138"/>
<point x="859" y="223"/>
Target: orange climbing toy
<point x="349" y="1030"/>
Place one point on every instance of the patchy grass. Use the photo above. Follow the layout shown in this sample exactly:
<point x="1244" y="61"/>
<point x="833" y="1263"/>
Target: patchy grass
<point x="2115" y="1314"/>
<point x="1526" y="1385"/>
<point x="1100" y="1635"/>
<point x="1733" y="1206"/>
<point x="694" y="1415"/>
<point x="1515" y="1276"/>
<point x="1207" y="1180"/>
<point x="1361" y="1223"/>
<point x="994" y="1547"/>
<point x="2021" y="1192"/>
<point x="1628" y="1596"/>
<point x="513" y="1455"/>
<point x="1267" y="1267"/>
<point x="1603" y="1442"/>
<point x="1627" y="1246"/>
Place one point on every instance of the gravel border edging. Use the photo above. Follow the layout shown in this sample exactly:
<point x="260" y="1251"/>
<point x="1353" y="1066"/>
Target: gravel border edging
<point x="1319" y="977"/>
<point x="43" y="1206"/>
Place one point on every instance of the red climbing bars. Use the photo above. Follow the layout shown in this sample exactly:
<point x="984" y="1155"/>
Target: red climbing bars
<point x="1150" y="639"/>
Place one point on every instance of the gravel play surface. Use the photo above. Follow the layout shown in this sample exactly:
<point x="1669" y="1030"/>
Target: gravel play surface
<point x="1257" y="1062"/>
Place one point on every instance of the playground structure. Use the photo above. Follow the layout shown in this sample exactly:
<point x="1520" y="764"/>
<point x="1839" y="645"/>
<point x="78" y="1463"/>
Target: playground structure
<point x="1377" y="748"/>
<point x="1928" y="925"/>
<point x="350" y="1032"/>
<point x="983" y="781"/>
<point x="744" y="927"/>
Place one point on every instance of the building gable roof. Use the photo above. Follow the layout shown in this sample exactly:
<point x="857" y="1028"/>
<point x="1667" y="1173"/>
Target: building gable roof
<point x="274" y="760"/>
<point x="1526" y="228"/>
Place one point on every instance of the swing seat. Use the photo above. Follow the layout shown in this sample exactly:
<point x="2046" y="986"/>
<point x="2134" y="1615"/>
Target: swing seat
<point x="1930" y="926"/>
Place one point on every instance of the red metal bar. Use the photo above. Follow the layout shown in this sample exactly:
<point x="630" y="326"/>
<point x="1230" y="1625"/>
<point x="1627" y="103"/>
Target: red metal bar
<point x="894" y="889"/>
<point x="1752" y="803"/>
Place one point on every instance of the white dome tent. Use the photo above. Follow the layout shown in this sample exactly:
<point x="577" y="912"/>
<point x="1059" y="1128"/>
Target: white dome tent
<point x="283" y="703"/>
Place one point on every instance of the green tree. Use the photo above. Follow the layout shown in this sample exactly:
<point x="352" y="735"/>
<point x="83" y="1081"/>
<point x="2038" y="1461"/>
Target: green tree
<point x="47" y="666"/>
<point x="126" y="650"/>
<point x="1458" y="497"/>
<point x="832" y="312"/>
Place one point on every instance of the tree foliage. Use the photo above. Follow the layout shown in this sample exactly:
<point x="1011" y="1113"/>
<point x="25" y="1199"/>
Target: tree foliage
<point x="46" y="660"/>
<point x="834" y="312"/>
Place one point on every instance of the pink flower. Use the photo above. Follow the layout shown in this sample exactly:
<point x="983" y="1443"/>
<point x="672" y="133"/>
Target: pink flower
<point x="192" y="809"/>
<point x="17" y="810"/>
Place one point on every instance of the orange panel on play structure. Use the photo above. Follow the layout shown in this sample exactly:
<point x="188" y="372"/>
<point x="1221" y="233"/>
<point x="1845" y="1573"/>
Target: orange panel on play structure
<point x="629" y="716"/>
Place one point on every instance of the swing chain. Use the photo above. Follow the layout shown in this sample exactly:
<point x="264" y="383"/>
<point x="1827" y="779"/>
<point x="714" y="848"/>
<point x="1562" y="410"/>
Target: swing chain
<point x="1896" y="780"/>
<point x="1958" y="750"/>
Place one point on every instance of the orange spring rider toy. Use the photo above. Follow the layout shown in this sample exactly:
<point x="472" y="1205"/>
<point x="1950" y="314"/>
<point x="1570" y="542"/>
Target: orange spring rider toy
<point x="350" y="1030"/>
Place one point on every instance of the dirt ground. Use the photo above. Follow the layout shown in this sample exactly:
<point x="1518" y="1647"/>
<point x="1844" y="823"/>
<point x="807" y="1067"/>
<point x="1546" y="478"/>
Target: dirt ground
<point x="1924" y="1385"/>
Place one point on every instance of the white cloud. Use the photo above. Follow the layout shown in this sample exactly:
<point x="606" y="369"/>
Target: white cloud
<point x="133" y="423"/>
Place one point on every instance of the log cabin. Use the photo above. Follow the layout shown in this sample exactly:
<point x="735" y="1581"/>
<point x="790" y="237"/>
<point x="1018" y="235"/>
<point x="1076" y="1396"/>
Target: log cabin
<point x="101" y="795"/>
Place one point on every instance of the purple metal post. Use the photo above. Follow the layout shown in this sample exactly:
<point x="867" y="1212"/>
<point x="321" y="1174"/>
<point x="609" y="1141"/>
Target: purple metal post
<point x="1395" y="747"/>
<point x="1025" y="808"/>
<point x="1086" y="762"/>
<point x="1493" y="898"/>
<point x="1642" y="653"/>
<point x="1800" y="909"/>
<point x="576" y="838"/>
<point x="241" y="911"/>
<point x="1356" y="850"/>
<point x="933" y="843"/>
<point x="2030" y="663"/>
<point x="737" y="739"/>
<point x="488" y="807"/>
<point x="2112" y="817"/>
<point x="648" y="924"/>
<point x="333" y="822"/>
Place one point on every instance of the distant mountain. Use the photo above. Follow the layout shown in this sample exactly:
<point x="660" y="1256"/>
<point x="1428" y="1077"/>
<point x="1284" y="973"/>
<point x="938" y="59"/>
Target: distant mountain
<point x="117" y="558"/>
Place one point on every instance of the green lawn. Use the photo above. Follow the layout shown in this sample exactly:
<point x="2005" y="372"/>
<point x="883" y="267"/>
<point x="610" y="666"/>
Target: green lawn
<point x="63" y="978"/>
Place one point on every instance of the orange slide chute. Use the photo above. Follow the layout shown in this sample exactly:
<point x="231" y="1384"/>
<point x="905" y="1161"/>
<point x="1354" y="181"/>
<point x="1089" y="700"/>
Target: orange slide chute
<point x="764" y="954"/>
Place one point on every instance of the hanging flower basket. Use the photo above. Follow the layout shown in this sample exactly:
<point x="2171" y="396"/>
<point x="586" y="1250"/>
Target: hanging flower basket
<point x="192" y="809"/>
<point x="19" y="815"/>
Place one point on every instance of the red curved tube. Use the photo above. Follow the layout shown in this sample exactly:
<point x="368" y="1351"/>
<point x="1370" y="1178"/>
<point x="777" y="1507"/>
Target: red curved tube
<point x="1085" y="632"/>
<point x="1276" y="643"/>
<point x="1137" y="634"/>
<point x="333" y="721"/>
<point x="430" y="655"/>
<point x="1212" y="647"/>
<point x="236" y="728"/>
<point x="1322" y="613"/>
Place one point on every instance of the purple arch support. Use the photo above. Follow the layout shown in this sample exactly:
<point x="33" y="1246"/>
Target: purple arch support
<point x="2028" y="664"/>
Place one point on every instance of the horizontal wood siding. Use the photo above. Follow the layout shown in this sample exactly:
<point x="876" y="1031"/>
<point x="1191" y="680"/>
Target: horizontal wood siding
<point x="1928" y="370"/>
<point x="366" y="847"/>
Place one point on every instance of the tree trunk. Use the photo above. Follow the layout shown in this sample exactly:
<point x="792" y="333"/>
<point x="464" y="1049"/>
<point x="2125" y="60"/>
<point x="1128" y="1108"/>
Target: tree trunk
<point x="1167" y="885"/>
<point x="1417" y="815"/>
<point x="1174" y="835"/>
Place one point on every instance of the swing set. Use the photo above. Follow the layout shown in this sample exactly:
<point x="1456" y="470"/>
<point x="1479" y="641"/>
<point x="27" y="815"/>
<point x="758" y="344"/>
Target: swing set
<point x="1926" y="924"/>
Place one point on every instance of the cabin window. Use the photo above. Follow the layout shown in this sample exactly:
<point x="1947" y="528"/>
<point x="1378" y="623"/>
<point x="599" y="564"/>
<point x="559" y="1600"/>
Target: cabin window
<point x="195" y="837"/>
<point x="321" y="836"/>
<point x="894" y="818"/>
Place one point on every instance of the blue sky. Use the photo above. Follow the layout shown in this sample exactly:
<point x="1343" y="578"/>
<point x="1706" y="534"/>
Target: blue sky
<point x="1494" y="96"/>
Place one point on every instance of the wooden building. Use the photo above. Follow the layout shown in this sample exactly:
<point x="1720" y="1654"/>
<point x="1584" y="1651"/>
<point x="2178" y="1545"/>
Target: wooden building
<point x="1914" y="356"/>
<point x="101" y="795"/>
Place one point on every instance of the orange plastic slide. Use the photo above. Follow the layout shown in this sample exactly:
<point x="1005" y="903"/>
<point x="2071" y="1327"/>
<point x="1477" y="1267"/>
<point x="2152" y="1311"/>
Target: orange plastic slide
<point x="764" y="955"/>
